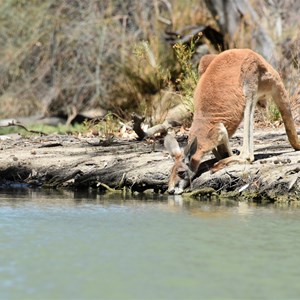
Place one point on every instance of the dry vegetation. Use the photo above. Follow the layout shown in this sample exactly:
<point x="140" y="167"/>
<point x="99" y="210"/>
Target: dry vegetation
<point x="57" y="57"/>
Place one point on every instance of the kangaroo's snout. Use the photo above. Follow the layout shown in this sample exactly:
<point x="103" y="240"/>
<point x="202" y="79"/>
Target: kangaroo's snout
<point x="181" y="173"/>
<point x="175" y="191"/>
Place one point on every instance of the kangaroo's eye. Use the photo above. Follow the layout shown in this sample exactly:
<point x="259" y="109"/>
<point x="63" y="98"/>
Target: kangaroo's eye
<point x="181" y="174"/>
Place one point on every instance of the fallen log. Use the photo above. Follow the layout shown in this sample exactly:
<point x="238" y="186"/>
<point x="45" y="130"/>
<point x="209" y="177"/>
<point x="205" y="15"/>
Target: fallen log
<point x="74" y="163"/>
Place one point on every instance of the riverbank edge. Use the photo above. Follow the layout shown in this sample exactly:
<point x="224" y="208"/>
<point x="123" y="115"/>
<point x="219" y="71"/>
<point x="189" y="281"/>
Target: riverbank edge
<point x="66" y="162"/>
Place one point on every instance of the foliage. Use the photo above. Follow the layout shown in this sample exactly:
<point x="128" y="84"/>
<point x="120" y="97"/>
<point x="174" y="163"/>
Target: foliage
<point x="147" y="71"/>
<point x="188" y="78"/>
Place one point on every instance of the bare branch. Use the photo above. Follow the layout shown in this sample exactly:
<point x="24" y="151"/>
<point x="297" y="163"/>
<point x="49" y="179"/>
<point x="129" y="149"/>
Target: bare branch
<point x="10" y="124"/>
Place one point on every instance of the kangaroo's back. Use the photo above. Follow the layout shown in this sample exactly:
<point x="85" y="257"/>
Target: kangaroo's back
<point x="219" y="94"/>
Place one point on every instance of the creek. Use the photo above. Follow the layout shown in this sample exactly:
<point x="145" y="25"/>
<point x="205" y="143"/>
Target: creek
<point x="65" y="245"/>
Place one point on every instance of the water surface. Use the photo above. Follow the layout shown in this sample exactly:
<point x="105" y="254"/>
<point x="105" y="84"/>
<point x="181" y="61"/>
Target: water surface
<point x="61" y="245"/>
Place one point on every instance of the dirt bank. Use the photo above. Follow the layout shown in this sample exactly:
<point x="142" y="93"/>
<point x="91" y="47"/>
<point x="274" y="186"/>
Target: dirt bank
<point x="78" y="163"/>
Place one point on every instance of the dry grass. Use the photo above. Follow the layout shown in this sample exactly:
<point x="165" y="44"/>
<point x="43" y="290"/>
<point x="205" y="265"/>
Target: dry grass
<point x="61" y="56"/>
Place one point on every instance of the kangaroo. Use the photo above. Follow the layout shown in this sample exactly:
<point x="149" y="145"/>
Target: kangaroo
<point x="230" y="86"/>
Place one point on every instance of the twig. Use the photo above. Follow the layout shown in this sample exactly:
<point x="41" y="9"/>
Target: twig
<point x="23" y="127"/>
<point x="106" y="187"/>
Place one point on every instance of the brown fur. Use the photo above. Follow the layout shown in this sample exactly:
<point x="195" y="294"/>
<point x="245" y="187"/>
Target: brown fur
<point x="230" y="86"/>
<point x="204" y="62"/>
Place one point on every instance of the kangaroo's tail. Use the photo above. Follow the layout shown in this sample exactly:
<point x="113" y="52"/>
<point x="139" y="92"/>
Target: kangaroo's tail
<point x="281" y="99"/>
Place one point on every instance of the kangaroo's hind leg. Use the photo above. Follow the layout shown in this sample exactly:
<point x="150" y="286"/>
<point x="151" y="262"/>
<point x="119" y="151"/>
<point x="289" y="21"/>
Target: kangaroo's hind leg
<point x="250" y="89"/>
<point x="249" y="77"/>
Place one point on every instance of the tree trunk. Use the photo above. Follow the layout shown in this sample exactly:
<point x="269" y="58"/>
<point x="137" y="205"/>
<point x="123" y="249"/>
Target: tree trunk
<point x="233" y="15"/>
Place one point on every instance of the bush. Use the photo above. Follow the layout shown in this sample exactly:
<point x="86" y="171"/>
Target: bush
<point x="61" y="55"/>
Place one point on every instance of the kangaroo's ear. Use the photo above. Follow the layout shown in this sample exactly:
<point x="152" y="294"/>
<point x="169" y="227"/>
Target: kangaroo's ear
<point x="172" y="146"/>
<point x="191" y="149"/>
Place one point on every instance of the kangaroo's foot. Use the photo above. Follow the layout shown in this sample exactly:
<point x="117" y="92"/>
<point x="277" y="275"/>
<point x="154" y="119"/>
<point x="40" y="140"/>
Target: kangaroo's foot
<point x="228" y="161"/>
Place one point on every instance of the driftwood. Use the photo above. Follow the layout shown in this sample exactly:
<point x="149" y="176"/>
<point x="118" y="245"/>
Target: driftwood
<point x="174" y="117"/>
<point x="137" y="126"/>
<point x="159" y="128"/>
<point x="193" y="35"/>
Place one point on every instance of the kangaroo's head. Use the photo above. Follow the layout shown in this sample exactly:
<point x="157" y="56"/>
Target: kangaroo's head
<point x="181" y="173"/>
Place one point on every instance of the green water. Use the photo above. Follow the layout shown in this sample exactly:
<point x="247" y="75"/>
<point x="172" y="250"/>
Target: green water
<point x="66" y="246"/>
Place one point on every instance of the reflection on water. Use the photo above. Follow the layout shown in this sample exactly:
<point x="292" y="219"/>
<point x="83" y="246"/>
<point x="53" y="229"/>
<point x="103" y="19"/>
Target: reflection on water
<point x="66" y="245"/>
